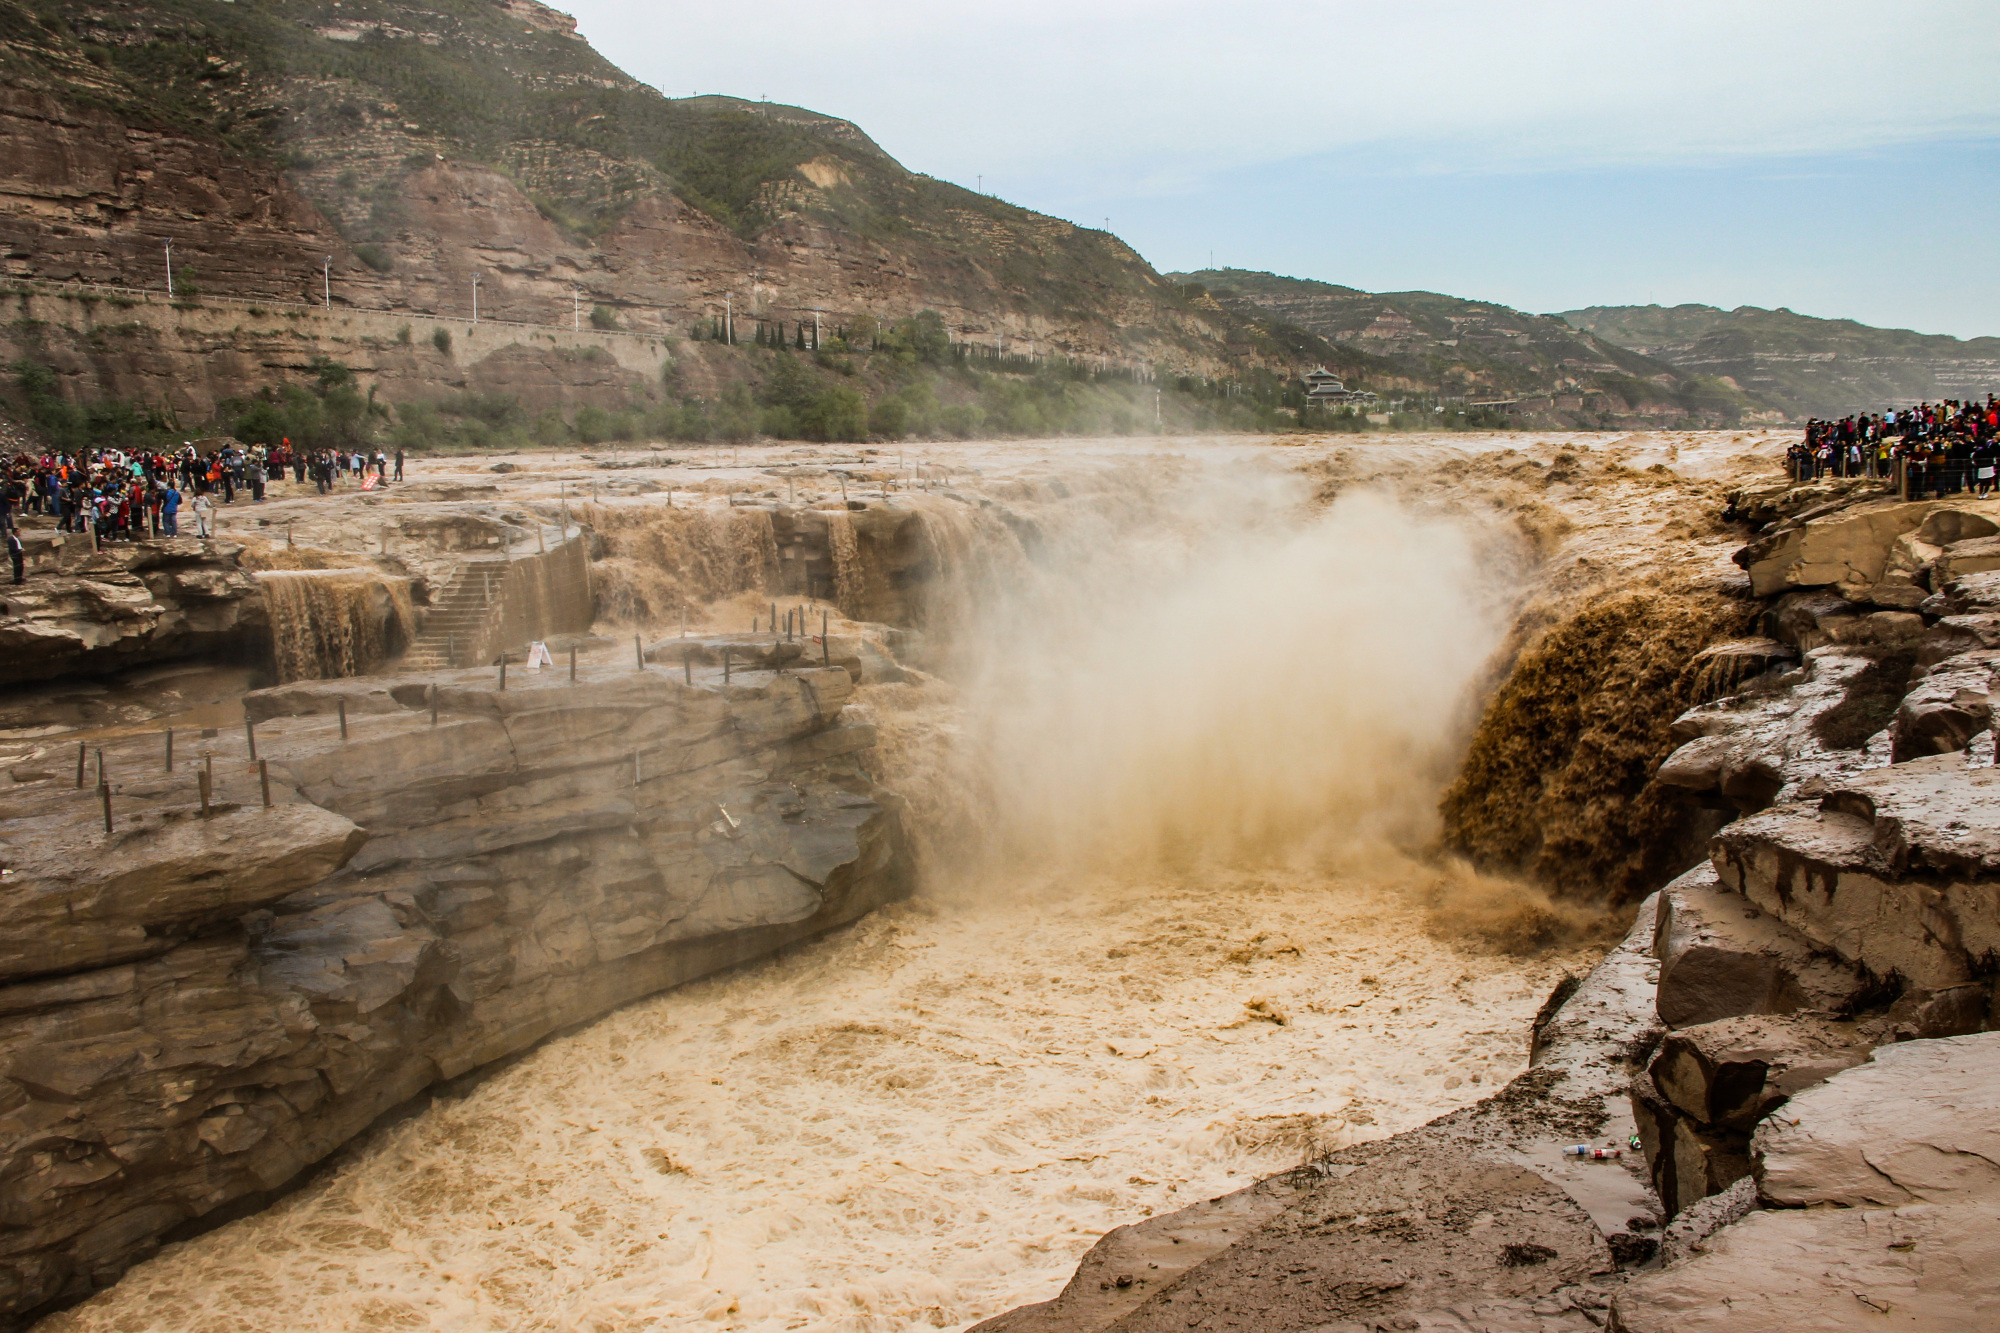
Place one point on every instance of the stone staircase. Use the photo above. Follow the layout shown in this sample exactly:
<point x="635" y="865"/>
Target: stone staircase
<point x="457" y="621"/>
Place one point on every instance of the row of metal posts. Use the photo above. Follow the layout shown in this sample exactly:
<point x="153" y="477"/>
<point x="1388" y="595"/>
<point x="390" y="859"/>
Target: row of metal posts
<point x="205" y="779"/>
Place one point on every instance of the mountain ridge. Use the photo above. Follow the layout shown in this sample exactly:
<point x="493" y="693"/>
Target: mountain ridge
<point x="1808" y="365"/>
<point x="1539" y="366"/>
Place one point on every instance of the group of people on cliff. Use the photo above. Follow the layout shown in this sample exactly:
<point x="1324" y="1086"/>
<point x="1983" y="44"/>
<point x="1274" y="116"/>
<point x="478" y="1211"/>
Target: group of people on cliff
<point x="126" y="495"/>
<point x="1945" y="448"/>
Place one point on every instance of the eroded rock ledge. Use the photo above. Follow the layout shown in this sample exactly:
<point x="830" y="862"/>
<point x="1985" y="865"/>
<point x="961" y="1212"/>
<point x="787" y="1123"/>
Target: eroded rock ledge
<point x="193" y="1010"/>
<point x="1801" y="1026"/>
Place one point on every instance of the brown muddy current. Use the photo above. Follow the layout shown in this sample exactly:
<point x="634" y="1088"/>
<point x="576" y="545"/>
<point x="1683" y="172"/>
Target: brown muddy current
<point x="1173" y="788"/>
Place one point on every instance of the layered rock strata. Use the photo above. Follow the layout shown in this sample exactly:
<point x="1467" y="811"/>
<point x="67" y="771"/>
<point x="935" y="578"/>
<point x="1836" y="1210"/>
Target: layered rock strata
<point x="92" y="611"/>
<point x="194" y="1009"/>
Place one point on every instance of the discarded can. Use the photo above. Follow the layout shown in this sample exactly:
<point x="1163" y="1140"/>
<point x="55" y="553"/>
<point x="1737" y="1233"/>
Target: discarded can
<point x="1606" y="1154"/>
<point x="1577" y="1150"/>
<point x="1633" y="1143"/>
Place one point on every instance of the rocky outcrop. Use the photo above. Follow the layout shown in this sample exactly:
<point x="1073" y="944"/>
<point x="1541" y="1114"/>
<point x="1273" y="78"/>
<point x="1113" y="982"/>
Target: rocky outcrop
<point x="1882" y="1194"/>
<point x="130" y="603"/>
<point x="1918" y="1123"/>
<point x="1882" y="551"/>
<point x="1897" y="870"/>
<point x="193" y="1010"/>
<point x="1721" y="957"/>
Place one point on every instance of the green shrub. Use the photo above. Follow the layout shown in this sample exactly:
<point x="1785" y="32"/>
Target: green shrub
<point x="602" y="317"/>
<point x="840" y="413"/>
<point x="442" y="341"/>
<point x="890" y="417"/>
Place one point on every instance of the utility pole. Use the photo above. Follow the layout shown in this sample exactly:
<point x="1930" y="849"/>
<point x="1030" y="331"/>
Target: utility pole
<point x="326" y="280"/>
<point x="729" y="318"/>
<point x="576" y="309"/>
<point x="982" y="185"/>
<point x="475" y="298"/>
<point x="815" y="330"/>
<point x="169" y="243"/>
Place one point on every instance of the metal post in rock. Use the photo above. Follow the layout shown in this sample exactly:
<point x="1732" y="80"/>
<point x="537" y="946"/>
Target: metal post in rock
<point x="170" y="750"/>
<point x="204" y="784"/>
<point x="82" y="751"/>
<point x="503" y="671"/>
<point x="250" y="735"/>
<point x="264" y="780"/>
<point x="104" y="795"/>
<point x="572" y="664"/>
<point x="341" y="704"/>
<point x="639" y="651"/>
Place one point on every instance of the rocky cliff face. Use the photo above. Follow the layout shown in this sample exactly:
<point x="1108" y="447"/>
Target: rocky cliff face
<point x="417" y="147"/>
<point x="90" y="611"/>
<point x="1807" y="366"/>
<point x="194" y="1009"/>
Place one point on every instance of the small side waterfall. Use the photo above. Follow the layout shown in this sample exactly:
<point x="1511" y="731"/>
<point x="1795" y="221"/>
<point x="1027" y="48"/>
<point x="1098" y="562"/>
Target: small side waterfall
<point x="657" y="559"/>
<point x="849" y="578"/>
<point x="335" y="622"/>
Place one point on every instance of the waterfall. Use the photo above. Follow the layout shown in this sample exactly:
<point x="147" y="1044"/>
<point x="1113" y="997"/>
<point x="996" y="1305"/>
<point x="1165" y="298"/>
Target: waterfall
<point x="335" y="622"/>
<point x="849" y="578"/>
<point x="657" y="559"/>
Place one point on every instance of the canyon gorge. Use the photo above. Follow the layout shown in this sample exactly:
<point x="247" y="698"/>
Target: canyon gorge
<point x="910" y="870"/>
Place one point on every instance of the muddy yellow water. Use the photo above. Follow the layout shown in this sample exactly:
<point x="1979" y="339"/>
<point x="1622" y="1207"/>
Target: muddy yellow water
<point x="928" y="1117"/>
<point x="916" y="1123"/>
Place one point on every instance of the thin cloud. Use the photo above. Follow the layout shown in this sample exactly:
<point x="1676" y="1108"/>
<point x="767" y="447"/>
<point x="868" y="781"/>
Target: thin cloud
<point x="1174" y="91"/>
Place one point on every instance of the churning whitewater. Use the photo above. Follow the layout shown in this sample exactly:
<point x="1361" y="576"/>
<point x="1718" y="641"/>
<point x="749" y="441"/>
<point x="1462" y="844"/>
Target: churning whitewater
<point x="1185" y="729"/>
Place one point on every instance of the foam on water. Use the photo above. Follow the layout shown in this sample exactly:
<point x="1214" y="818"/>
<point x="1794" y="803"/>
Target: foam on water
<point x="1190" y="715"/>
<point x="914" y="1124"/>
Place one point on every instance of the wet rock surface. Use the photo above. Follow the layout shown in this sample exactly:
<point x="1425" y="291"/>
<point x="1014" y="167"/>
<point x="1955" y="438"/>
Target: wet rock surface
<point x="1880" y="1191"/>
<point x="130" y="603"/>
<point x="193" y="1010"/>
<point x="1720" y="956"/>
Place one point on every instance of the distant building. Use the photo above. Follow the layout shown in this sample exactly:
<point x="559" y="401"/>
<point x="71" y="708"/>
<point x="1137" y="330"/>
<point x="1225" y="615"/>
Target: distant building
<point x="1323" y="386"/>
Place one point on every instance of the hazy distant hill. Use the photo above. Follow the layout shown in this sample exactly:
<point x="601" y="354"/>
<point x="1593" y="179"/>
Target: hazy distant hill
<point x="1812" y="367"/>
<point x="1476" y="350"/>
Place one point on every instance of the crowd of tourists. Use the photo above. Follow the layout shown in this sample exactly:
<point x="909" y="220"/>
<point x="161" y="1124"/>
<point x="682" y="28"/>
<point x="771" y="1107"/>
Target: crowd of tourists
<point x="128" y="495"/>
<point x="1946" y="448"/>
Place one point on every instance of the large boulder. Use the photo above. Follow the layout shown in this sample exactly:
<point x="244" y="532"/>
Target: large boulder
<point x="1918" y="1123"/>
<point x="1948" y="707"/>
<point x="1923" y="1268"/>
<point x="1849" y="549"/>
<point x="1722" y="956"/>
<point x="1896" y="870"/>
<point x="1733" y="1072"/>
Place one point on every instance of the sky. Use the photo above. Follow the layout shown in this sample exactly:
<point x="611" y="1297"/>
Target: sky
<point x="1839" y="158"/>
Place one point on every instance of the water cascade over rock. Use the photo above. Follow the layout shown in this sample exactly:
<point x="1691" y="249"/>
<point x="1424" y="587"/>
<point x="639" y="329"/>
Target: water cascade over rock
<point x="335" y="622"/>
